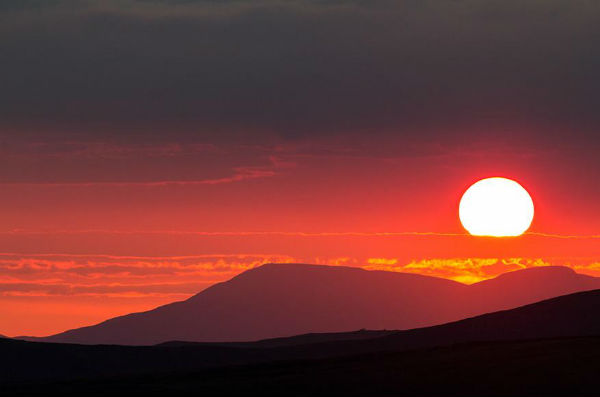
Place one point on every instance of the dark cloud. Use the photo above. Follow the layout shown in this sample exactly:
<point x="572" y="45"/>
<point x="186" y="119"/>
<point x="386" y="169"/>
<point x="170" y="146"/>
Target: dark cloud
<point x="28" y="5"/>
<point x="205" y="70"/>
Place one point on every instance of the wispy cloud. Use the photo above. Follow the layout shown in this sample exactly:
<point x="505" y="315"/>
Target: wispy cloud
<point x="240" y="174"/>
<point x="232" y="233"/>
<point x="472" y="270"/>
<point x="68" y="274"/>
<point x="286" y="233"/>
<point x="566" y="236"/>
<point x="108" y="164"/>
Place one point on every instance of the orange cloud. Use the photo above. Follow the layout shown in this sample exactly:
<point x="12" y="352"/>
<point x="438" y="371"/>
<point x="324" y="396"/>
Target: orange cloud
<point x="114" y="285"/>
<point x="82" y="274"/>
<point x="472" y="270"/>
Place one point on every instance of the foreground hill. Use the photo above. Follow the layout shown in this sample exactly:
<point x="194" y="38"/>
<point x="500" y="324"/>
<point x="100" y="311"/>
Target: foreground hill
<point x="564" y="367"/>
<point x="573" y="315"/>
<point x="302" y="340"/>
<point x="287" y="299"/>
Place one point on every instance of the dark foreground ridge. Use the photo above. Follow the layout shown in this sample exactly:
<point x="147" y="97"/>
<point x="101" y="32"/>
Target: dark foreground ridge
<point x="550" y="368"/>
<point x="279" y="300"/>
<point x="304" y="339"/>
<point x="28" y="365"/>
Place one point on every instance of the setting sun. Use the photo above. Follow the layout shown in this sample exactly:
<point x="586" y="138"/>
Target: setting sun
<point x="497" y="207"/>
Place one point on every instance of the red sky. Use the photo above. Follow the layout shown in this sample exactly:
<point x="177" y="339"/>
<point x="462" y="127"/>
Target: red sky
<point x="151" y="149"/>
<point x="77" y="251"/>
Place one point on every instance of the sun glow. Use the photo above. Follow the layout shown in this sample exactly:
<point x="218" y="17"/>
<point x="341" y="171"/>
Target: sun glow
<point x="498" y="207"/>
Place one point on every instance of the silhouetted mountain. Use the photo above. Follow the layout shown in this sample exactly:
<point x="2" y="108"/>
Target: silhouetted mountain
<point x="285" y="299"/>
<point x="517" y="288"/>
<point x="572" y="316"/>
<point x="564" y="316"/>
<point x="282" y="300"/>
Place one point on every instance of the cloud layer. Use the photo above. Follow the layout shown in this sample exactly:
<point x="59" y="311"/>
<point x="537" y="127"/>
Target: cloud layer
<point x="131" y="69"/>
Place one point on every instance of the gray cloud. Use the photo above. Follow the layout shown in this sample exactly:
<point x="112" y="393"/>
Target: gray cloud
<point x="205" y="70"/>
<point x="28" y="5"/>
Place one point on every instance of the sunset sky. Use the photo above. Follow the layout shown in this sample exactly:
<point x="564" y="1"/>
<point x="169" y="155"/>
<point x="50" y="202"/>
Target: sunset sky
<point x="149" y="148"/>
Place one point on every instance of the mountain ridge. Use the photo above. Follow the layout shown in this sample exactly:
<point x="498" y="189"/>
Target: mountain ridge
<point x="278" y="300"/>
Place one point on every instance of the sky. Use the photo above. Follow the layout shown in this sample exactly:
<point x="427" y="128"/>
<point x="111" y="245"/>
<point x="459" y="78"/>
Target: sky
<point x="149" y="149"/>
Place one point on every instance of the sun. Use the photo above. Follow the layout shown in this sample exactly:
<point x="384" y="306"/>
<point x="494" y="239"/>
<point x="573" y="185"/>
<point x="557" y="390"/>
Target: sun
<point x="498" y="207"/>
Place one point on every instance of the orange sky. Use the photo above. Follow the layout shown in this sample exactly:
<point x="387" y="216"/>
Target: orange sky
<point x="151" y="149"/>
<point x="49" y="292"/>
<point x="75" y="251"/>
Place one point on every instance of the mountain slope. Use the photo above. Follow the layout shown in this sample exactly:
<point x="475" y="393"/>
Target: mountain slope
<point x="286" y="299"/>
<point x="563" y="316"/>
<point x="517" y="288"/>
<point x="574" y="315"/>
<point x="283" y="300"/>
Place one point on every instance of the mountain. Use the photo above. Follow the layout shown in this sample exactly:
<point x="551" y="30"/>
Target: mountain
<point x="573" y="315"/>
<point x="517" y="288"/>
<point x="562" y="332"/>
<point x="564" y="316"/>
<point x="278" y="300"/>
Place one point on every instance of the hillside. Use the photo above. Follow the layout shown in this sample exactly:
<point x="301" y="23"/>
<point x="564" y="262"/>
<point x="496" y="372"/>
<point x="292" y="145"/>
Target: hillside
<point x="279" y="300"/>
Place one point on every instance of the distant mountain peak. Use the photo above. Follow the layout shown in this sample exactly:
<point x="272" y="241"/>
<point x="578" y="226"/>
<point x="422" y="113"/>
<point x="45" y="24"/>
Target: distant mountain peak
<point x="541" y="272"/>
<point x="283" y="299"/>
